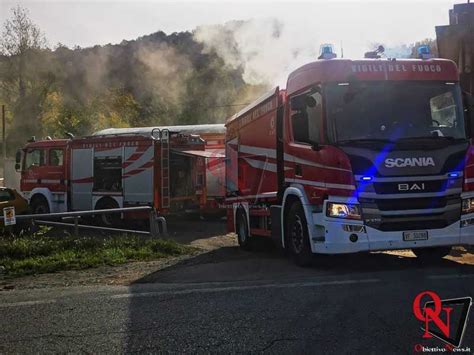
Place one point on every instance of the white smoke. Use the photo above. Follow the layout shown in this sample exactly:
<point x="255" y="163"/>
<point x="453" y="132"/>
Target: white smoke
<point x="266" y="50"/>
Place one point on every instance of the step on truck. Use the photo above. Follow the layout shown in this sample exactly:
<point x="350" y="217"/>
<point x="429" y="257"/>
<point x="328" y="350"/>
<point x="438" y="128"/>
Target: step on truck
<point x="355" y="156"/>
<point x="161" y="168"/>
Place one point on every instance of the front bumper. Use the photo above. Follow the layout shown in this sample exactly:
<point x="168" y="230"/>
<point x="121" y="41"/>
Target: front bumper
<point x="330" y="236"/>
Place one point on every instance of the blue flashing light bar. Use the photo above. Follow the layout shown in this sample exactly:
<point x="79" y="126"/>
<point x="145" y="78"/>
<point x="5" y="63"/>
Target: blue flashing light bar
<point x="423" y="50"/>
<point x="454" y="175"/>
<point x="366" y="178"/>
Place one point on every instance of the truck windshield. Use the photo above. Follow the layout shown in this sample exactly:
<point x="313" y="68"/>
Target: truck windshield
<point x="393" y="111"/>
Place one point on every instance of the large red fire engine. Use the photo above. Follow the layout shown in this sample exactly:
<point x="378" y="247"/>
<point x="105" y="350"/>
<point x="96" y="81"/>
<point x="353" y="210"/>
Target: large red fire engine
<point x="214" y="137"/>
<point x="162" y="168"/>
<point x="355" y="155"/>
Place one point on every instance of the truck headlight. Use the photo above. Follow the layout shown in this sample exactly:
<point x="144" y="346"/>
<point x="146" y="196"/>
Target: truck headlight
<point x="467" y="205"/>
<point x="343" y="210"/>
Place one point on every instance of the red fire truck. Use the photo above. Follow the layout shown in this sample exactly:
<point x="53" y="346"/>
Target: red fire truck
<point x="160" y="168"/>
<point x="214" y="137"/>
<point x="355" y="155"/>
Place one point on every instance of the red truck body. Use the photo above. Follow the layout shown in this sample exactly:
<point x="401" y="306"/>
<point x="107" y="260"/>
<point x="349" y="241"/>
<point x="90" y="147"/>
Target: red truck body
<point x="294" y="155"/>
<point x="214" y="138"/>
<point x="160" y="168"/>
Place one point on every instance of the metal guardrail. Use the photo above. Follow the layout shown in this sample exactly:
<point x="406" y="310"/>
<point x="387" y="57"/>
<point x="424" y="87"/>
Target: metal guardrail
<point x="155" y="220"/>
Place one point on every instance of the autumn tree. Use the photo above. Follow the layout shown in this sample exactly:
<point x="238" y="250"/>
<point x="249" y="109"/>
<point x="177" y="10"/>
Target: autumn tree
<point x="20" y="35"/>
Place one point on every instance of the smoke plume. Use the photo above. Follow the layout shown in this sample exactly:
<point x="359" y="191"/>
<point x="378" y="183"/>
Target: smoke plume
<point x="265" y="50"/>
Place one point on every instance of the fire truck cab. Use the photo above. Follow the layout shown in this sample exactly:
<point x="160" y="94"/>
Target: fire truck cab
<point x="355" y="155"/>
<point x="159" y="168"/>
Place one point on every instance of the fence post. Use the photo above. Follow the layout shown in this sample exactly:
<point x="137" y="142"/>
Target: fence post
<point x="154" y="228"/>
<point x="163" y="225"/>
<point x="76" y="226"/>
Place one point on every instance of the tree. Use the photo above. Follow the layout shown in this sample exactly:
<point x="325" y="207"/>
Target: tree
<point x="22" y="84"/>
<point x="19" y="36"/>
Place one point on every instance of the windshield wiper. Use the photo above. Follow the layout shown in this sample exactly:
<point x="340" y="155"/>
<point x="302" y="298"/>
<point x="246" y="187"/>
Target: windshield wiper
<point x="448" y="138"/>
<point x="366" y="140"/>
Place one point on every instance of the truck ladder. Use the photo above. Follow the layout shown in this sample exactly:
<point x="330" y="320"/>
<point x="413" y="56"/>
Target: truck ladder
<point x="165" y="168"/>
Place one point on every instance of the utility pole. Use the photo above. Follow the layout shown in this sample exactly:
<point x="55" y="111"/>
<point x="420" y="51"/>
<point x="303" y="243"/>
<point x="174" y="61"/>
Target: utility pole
<point x="4" y="141"/>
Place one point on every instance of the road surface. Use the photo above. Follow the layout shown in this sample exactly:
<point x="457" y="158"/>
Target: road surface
<point x="229" y="301"/>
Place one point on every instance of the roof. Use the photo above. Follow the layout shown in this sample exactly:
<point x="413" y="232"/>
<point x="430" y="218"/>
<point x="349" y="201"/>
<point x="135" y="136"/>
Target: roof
<point x="272" y="94"/>
<point x="342" y="70"/>
<point x="47" y="143"/>
<point x="217" y="128"/>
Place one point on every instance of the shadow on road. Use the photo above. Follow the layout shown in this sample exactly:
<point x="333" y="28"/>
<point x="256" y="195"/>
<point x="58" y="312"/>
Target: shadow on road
<point x="265" y="262"/>
<point x="191" y="229"/>
<point x="212" y="320"/>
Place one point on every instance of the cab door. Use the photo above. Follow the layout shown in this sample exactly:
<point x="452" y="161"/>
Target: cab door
<point x="306" y="155"/>
<point x="34" y="169"/>
<point x="304" y="148"/>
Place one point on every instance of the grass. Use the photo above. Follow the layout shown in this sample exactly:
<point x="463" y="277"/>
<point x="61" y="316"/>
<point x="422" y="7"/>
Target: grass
<point x="42" y="252"/>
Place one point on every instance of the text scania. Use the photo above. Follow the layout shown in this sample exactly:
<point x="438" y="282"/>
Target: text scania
<point x="408" y="162"/>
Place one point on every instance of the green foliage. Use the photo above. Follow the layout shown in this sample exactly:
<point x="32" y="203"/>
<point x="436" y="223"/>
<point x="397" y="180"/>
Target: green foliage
<point x="155" y="80"/>
<point x="42" y="253"/>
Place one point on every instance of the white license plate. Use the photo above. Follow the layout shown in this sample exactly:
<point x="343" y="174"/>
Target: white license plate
<point x="418" y="235"/>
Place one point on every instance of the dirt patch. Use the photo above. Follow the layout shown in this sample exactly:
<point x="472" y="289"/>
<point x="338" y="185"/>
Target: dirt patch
<point x="206" y="236"/>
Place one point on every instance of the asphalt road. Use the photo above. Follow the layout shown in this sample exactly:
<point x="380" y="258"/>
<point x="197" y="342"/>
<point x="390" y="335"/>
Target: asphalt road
<point x="230" y="301"/>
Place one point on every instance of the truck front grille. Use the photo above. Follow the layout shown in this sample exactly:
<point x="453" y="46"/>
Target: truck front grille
<point x="386" y="209"/>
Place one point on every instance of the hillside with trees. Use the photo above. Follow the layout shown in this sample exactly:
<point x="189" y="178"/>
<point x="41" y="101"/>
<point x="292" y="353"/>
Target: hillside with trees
<point x="157" y="79"/>
<point x="203" y="76"/>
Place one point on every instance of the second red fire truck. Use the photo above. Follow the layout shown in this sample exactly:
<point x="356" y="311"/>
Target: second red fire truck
<point x="160" y="167"/>
<point x="355" y="155"/>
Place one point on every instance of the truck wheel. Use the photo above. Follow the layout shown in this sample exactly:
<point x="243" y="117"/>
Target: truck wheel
<point x="39" y="205"/>
<point x="297" y="236"/>
<point x="431" y="254"/>
<point x="242" y="230"/>
<point x="108" y="220"/>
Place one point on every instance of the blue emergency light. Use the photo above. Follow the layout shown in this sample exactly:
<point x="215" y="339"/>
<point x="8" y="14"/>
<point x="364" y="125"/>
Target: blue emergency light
<point x="326" y="51"/>
<point x="424" y="52"/>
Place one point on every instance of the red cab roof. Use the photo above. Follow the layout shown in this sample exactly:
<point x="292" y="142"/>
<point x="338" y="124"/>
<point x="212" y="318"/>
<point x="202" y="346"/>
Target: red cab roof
<point x="46" y="143"/>
<point x="344" y="70"/>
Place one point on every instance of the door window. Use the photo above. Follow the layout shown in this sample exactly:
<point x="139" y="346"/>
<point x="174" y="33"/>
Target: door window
<point x="56" y="157"/>
<point x="306" y="119"/>
<point x="34" y="158"/>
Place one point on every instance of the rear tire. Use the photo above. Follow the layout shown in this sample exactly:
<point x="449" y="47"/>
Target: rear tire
<point x="431" y="254"/>
<point x="297" y="236"/>
<point x="108" y="220"/>
<point x="242" y="230"/>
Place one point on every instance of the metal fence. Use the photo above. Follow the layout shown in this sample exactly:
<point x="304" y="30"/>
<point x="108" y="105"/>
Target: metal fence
<point x="45" y="219"/>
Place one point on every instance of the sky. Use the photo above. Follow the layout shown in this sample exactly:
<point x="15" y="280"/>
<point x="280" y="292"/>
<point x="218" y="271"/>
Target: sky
<point x="356" y="23"/>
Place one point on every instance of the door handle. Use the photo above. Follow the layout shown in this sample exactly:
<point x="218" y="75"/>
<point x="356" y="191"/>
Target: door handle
<point x="298" y="170"/>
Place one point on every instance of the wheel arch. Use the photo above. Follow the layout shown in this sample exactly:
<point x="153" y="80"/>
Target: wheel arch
<point x="245" y="207"/>
<point x="105" y="199"/>
<point x="294" y="193"/>
<point x="42" y="193"/>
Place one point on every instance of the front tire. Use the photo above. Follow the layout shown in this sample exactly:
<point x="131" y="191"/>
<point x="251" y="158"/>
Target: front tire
<point x="39" y="205"/>
<point x="431" y="254"/>
<point x="242" y="230"/>
<point x="297" y="236"/>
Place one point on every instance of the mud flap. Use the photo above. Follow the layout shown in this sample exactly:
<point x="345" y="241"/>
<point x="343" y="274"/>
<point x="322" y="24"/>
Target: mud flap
<point x="275" y="215"/>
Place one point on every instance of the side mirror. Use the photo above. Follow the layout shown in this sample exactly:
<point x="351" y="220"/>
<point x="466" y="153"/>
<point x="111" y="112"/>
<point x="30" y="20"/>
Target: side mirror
<point x="18" y="160"/>
<point x="298" y="103"/>
<point x="315" y="146"/>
